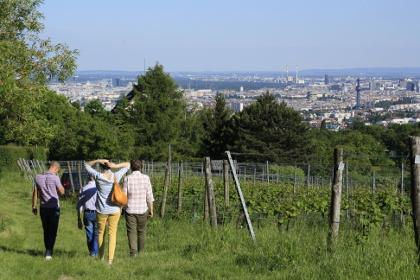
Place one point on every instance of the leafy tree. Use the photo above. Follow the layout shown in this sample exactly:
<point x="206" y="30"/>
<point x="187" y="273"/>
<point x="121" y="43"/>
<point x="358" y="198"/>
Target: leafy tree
<point x="95" y="109"/>
<point x="275" y="130"/>
<point x="76" y="104"/>
<point x="396" y="137"/>
<point x="156" y="115"/>
<point x="190" y="138"/>
<point x="26" y="64"/>
<point x="215" y="139"/>
<point x="362" y="150"/>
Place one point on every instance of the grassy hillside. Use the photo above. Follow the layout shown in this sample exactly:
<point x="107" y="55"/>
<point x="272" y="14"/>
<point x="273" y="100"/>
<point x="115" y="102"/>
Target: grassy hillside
<point x="187" y="249"/>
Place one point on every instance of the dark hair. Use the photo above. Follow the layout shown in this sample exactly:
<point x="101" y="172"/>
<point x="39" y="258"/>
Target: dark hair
<point x="136" y="164"/>
<point x="104" y="166"/>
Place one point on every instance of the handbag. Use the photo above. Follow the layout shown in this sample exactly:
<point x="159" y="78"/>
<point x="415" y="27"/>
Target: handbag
<point x="118" y="196"/>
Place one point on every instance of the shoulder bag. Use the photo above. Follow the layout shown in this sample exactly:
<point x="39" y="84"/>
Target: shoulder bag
<point x="118" y="196"/>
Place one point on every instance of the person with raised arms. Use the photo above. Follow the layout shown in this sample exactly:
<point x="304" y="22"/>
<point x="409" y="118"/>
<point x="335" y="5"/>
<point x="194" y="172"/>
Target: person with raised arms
<point x="107" y="213"/>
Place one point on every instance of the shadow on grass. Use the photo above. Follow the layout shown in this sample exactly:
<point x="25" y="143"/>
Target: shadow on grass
<point x="36" y="253"/>
<point x="30" y="252"/>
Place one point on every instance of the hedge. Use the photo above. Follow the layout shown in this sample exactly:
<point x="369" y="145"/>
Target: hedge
<point x="10" y="154"/>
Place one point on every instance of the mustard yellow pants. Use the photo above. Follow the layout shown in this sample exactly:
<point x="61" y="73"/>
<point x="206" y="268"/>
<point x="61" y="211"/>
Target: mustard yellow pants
<point x="112" y="221"/>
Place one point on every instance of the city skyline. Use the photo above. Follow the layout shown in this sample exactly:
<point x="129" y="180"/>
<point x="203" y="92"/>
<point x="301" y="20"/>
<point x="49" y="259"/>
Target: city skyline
<point x="244" y="36"/>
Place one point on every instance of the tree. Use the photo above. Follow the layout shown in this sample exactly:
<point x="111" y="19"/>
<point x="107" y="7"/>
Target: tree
<point x="26" y="64"/>
<point x="275" y="130"/>
<point x="215" y="139"/>
<point x="95" y="109"/>
<point x="156" y="114"/>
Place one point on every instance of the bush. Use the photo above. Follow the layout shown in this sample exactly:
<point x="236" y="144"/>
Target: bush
<point x="10" y="154"/>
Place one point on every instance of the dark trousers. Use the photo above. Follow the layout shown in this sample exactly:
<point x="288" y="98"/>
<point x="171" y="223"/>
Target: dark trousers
<point x="50" y="218"/>
<point x="136" y="231"/>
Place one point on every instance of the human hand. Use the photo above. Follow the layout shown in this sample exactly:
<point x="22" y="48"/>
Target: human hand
<point x="35" y="211"/>
<point x="104" y="161"/>
<point x="79" y="224"/>
<point x="151" y="214"/>
<point x="111" y="164"/>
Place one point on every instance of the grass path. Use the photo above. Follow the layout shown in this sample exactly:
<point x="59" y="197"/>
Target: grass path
<point x="181" y="249"/>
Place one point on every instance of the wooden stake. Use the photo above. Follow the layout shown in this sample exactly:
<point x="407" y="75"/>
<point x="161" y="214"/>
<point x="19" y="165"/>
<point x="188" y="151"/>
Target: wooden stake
<point x="415" y="187"/>
<point x="210" y="193"/>
<point x="336" y="196"/>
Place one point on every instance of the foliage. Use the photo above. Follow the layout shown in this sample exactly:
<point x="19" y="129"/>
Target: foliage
<point x="95" y="109"/>
<point x="26" y="64"/>
<point x="215" y="121"/>
<point x="156" y="114"/>
<point x="9" y="156"/>
<point x="266" y="127"/>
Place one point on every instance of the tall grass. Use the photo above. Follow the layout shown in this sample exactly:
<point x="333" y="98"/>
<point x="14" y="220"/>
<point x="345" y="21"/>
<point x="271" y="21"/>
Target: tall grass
<point x="188" y="249"/>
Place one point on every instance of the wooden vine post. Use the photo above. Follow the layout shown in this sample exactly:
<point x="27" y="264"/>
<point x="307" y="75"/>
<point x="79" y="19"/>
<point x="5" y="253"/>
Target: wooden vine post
<point x="226" y="181"/>
<point x="180" y="182"/>
<point x="241" y="196"/>
<point x="336" y="196"/>
<point x="165" y="186"/>
<point x="210" y="193"/>
<point x="206" y="205"/>
<point x="415" y="186"/>
<point x="71" y="178"/>
<point x="79" y="173"/>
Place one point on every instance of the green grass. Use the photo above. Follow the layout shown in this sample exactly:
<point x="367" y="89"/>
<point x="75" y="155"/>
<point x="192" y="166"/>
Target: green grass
<point x="183" y="249"/>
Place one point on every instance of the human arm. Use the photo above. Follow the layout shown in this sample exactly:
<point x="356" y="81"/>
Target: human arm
<point x="100" y="161"/>
<point x="34" y="200"/>
<point x="79" y="208"/>
<point x="149" y="197"/>
<point x="60" y="190"/>
<point x="59" y="186"/>
<point x="125" y="185"/>
<point x="79" y="220"/>
<point x="150" y="204"/>
<point x="118" y="165"/>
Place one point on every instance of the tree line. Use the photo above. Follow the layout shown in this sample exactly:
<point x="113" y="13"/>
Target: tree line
<point x="155" y="114"/>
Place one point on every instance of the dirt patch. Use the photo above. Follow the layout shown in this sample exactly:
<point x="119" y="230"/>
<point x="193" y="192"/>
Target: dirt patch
<point x="66" y="277"/>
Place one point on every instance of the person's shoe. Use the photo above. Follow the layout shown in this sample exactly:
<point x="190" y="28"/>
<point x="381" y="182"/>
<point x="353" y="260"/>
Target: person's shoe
<point x="48" y="258"/>
<point x="110" y="262"/>
<point x="133" y="256"/>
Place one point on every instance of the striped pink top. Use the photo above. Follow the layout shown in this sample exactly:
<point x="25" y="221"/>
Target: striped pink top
<point x="138" y="188"/>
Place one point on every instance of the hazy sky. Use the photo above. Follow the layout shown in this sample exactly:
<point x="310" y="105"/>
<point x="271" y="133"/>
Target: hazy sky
<point x="236" y="35"/>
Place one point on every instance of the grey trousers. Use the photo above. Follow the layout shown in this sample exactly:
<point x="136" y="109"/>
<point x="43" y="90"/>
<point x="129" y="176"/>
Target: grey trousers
<point x="136" y="231"/>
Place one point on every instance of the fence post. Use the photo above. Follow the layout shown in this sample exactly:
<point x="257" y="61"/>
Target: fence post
<point x="336" y="196"/>
<point x="165" y="187"/>
<point x="347" y="187"/>
<point x="309" y="176"/>
<point x="402" y="178"/>
<point x="71" y="178"/>
<point x="180" y="182"/>
<point x="79" y="175"/>
<point x="241" y="196"/>
<point x="210" y="193"/>
<point x="415" y="186"/>
<point x="373" y="182"/>
<point x="226" y="181"/>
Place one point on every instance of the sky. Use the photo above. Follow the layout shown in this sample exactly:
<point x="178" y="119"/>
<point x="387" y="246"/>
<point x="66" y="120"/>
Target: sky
<point x="236" y="35"/>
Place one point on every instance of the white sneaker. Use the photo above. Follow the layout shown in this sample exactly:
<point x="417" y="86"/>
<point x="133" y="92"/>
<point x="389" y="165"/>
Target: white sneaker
<point x="48" y="258"/>
<point x="110" y="262"/>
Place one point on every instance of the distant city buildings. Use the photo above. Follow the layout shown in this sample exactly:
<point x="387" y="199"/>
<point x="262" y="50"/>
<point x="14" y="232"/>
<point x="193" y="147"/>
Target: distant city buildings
<point x="337" y="101"/>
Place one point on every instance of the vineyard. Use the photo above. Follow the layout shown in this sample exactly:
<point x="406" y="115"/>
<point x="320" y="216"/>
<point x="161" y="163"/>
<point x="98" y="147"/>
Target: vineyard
<point x="372" y="196"/>
<point x="283" y="194"/>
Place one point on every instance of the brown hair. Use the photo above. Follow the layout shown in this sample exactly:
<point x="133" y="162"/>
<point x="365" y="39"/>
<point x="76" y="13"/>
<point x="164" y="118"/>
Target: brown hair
<point x="136" y="164"/>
